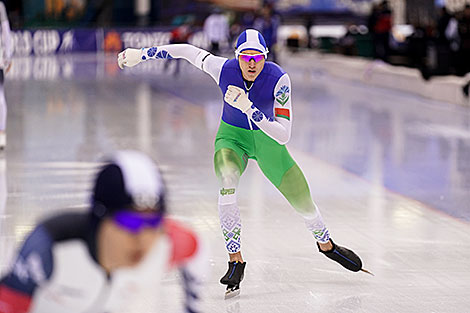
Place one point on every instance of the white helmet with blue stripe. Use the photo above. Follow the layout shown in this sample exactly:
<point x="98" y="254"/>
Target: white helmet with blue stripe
<point x="251" y="39"/>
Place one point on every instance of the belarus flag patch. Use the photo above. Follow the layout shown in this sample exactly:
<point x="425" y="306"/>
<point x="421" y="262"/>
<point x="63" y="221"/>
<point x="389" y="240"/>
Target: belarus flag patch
<point x="284" y="113"/>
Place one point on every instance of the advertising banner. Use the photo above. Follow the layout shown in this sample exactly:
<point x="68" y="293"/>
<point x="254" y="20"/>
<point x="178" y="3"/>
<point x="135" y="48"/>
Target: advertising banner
<point x="51" y="41"/>
<point x="112" y="40"/>
<point x="42" y="42"/>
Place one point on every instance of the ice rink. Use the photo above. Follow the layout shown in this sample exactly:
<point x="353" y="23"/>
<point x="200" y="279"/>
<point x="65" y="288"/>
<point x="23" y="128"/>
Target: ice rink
<point x="390" y="172"/>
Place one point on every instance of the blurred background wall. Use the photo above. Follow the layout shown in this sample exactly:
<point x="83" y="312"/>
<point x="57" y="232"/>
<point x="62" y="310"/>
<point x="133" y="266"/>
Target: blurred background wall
<point x="432" y="36"/>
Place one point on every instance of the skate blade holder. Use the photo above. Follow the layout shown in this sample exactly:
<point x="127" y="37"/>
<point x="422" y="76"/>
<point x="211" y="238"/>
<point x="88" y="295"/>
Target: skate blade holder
<point x="231" y="292"/>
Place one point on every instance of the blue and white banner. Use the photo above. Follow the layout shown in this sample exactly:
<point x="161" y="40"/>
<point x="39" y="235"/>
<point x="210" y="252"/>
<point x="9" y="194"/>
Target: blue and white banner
<point x="50" y="41"/>
<point x="43" y="42"/>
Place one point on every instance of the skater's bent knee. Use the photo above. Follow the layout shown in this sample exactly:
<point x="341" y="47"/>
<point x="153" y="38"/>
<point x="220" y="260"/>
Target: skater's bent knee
<point x="229" y="177"/>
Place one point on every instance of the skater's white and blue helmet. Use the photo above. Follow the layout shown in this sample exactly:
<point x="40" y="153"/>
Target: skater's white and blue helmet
<point x="251" y="39"/>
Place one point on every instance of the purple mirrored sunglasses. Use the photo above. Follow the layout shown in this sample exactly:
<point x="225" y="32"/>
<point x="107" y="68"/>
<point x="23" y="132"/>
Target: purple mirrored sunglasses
<point x="134" y="222"/>
<point x="248" y="57"/>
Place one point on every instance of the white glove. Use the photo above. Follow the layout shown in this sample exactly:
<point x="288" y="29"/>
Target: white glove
<point x="237" y="98"/>
<point x="129" y="57"/>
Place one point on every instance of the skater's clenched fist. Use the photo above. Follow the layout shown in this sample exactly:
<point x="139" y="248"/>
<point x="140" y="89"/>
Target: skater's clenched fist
<point x="129" y="57"/>
<point x="236" y="97"/>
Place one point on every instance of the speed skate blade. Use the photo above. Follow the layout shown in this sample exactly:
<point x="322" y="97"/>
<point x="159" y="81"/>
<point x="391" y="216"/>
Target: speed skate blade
<point x="367" y="271"/>
<point x="232" y="292"/>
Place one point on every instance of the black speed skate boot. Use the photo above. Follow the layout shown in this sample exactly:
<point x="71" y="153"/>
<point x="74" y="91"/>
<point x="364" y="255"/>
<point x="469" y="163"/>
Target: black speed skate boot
<point x="233" y="278"/>
<point x="347" y="258"/>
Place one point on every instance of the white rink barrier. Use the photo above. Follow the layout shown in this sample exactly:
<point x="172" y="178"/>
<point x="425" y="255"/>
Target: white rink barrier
<point x="378" y="73"/>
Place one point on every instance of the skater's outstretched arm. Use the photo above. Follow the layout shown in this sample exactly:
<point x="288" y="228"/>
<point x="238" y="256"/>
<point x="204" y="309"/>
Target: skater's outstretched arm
<point x="279" y="127"/>
<point x="198" y="57"/>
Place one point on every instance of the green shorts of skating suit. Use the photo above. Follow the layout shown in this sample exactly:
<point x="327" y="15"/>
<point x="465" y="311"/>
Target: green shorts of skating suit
<point x="237" y="145"/>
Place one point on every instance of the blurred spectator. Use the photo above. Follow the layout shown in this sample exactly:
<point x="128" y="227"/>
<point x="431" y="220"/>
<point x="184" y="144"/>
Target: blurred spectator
<point x="380" y="26"/>
<point x="417" y="49"/>
<point x="15" y="13"/>
<point x="309" y="22"/>
<point x="216" y="29"/>
<point x="73" y="10"/>
<point x="179" y="35"/>
<point x="235" y="30"/>
<point x="442" y="24"/>
<point x="372" y="19"/>
<point x="446" y="42"/>
<point x="248" y="19"/>
<point x="348" y="41"/>
<point x="267" y="24"/>
<point x="99" y="12"/>
<point x="464" y="34"/>
<point x="452" y="34"/>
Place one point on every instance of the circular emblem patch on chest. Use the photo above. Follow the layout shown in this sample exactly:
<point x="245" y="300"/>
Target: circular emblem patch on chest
<point x="257" y="116"/>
